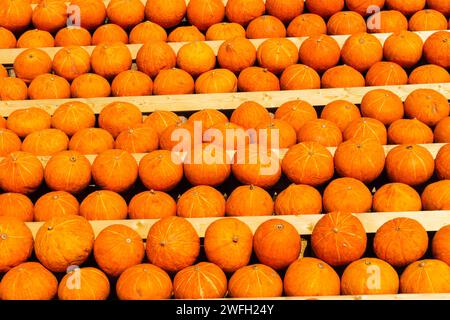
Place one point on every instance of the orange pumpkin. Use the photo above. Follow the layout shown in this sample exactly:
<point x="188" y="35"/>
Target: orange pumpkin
<point x="296" y="113"/>
<point x="426" y="20"/>
<point x="71" y="117"/>
<point x="285" y="10"/>
<point x="216" y="81"/>
<point x="125" y="13"/>
<point x="20" y="172"/>
<point x="152" y="205"/>
<point x="341" y="113"/>
<point x="13" y="89"/>
<point x="138" y="139"/>
<point x="406" y="8"/>
<point x="103" y="205"/>
<point x="443" y="163"/>
<point x="324" y="8"/>
<point x="49" y="86"/>
<point x="186" y="34"/>
<point x="440" y="244"/>
<point x="45" y="142"/>
<point x="277" y="54"/>
<point x="338" y="238"/>
<point x="109" y="34"/>
<point x="72" y="36"/>
<point x="93" y="285"/>
<point x="173" y="81"/>
<point x="342" y="77"/>
<point x="387" y="21"/>
<point x="200" y="202"/>
<point x="201" y="281"/>
<point x="91" y="141"/>
<point x="429" y="73"/>
<point x="386" y="74"/>
<point x="92" y="13"/>
<point x="108" y="60"/>
<point x="50" y="15"/>
<point x="147" y="31"/>
<point x="358" y="278"/>
<point x="155" y="56"/>
<point x="320" y="52"/>
<point x="347" y="194"/>
<point x="361" y="51"/>
<point x="257" y="79"/>
<point x="15" y="15"/>
<point x="165" y="14"/>
<point x="35" y="39"/>
<point x="236" y="54"/>
<point x="277" y="243"/>
<point x="346" y="22"/>
<point x="71" y="62"/>
<point x="244" y="11"/>
<point x="382" y="105"/>
<point x="266" y="27"/>
<point x="144" y="282"/>
<point x="31" y="63"/>
<point x="410" y="164"/>
<point x="276" y="134"/>
<point x="409" y="131"/>
<point x="311" y="277"/>
<point x="364" y="7"/>
<point x="255" y="281"/>
<point x="403" y="48"/>
<point x="180" y="137"/>
<point x="55" y="203"/>
<point x="426" y="276"/>
<point x="205" y="13"/>
<point x="115" y="170"/>
<point x="119" y="116"/>
<point x="306" y="25"/>
<point x="160" y="170"/>
<point x="259" y="202"/>
<point x="16" y="205"/>
<point x="396" y="197"/>
<point x="249" y="114"/>
<point x="228" y="243"/>
<point x="8" y="39"/>
<point x="366" y="128"/>
<point x="172" y="244"/>
<point x="29" y="281"/>
<point x="427" y="105"/>
<point x="225" y="31"/>
<point x="299" y="77"/>
<point x="15" y="236"/>
<point x="322" y="131"/>
<point x="436" y="196"/>
<point x="26" y="121"/>
<point x="160" y="120"/>
<point x="256" y="166"/>
<point x="227" y="135"/>
<point x="308" y="163"/>
<point x="90" y="85"/>
<point x="298" y="199"/>
<point x="9" y="142"/>
<point x="442" y="131"/>
<point x="118" y="248"/>
<point x="196" y="58"/>
<point x="400" y="241"/>
<point x="132" y="83"/>
<point x="64" y="241"/>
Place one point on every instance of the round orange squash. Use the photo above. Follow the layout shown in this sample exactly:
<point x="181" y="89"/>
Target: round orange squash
<point x="382" y="105"/>
<point x="172" y="244"/>
<point x="173" y="81"/>
<point x="361" y="51"/>
<point x="299" y="77"/>
<point x="186" y="34"/>
<point x="244" y="11"/>
<point x="441" y="249"/>
<point x="436" y="196"/>
<point x="17" y="240"/>
<point x="341" y="113"/>
<point x="15" y="14"/>
<point x="406" y="8"/>
<point x="440" y="6"/>
<point x="277" y="54"/>
<point x="72" y="36"/>
<point x="427" y="105"/>
<point x="442" y="131"/>
<point x="216" y="81"/>
<point x="155" y="56"/>
<point x="165" y="14"/>
<point x="26" y="121"/>
<point x="443" y="163"/>
<point x="103" y="205"/>
<point x="347" y="194"/>
<point x="285" y="10"/>
<point x="71" y="62"/>
<point x="17" y="206"/>
<point x="125" y="13"/>
<point x="249" y="114"/>
<point x="364" y="7"/>
<point x="180" y="137"/>
<point x="131" y="83"/>
<point x="62" y="242"/>
<point x="118" y="248"/>
<point x="9" y="142"/>
<point x="50" y="15"/>
<point x="338" y="238"/>
<point x="92" y="13"/>
<point x="403" y="48"/>
<point x="296" y="113"/>
<point x="49" y="86"/>
<point x="225" y="31"/>
<point x="152" y="205"/>
<point x="426" y="276"/>
<point x="228" y="135"/>
<point x="35" y="39"/>
<point x="8" y="39"/>
<point x="138" y="139"/>
<point x="71" y="117"/>
<point x="436" y="49"/>
<point x="342" y="77"/>
<point x="108" y="60"/>
<point x="429" y="73"/>
<point x="298" y="199"/>
<point x="196" y="58"/>
<point x="258" y="202"/>
<point x="409" y="131"/>
<point x="322" y="131"/>
<point x="266" y="27"/>
<point x="91" y="141"/>
<point x="236" y="54"/>
<point x="147" y="31"/>
<point x="161" y="170"/>
<point x="109" y="34"/>
<point x="276" y="134"/>
<point x="31" y="63"/>
<point x="84" y="284"/>
<point x="45" y="142"/>
<point x="306" y="25"/>
<point x="426" y="20"/>
<point x="160" y="120"/>
<point x="253" y="79"/>
<point x="366" y="128"/>
<point x="119" y="116"/>
<point x="90" y="85"/>
<point x="55" y="203"/>
<point x="205" y="13"/>
<point x="320" y="52"/>
<point x="324" y="8"/>
<point x="13" y="89"/>
<point x="201" y="202"/>
<point x="396" y="197"/>
<point x="346" y="22"/>
<point x="386" y="73"/>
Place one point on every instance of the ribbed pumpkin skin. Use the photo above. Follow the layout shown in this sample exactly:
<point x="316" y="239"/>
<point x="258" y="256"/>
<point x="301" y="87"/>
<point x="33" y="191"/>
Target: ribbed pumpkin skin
<point x="103" y="205"/>
<point x="400" y="241"/>
<point x="16" y="243"/>
<point x="152" y="205"/>
<point x="443" y="163"/>
<point x="298" y="199"/>
<point x="55" y="203"/>
<point x="91" y="141"/>
<point x="93" y="285"/>
<point x="341" y="113"/>
<point x="172" y="244"/>
<point x="258" y="203"/>
<point x="305" y="25"/>
<point x="64" y="241"/>
<point x="436" y="196"/>
<point x="165" y="14"/>
<point x="366" y="128"/>
<point x="347" y="194"/>
<point x="73" y="116"/>
<point x="426" y="276"/>
<point x="228" y="244"/>
<point x="225" y="31"/>
<point x="244" y="11"/>
<point x="16" y="205"/>
<point x="396" y="197"/>
<point x="249" y="114"/>
<point x="26" y="121"/>
<point x="409" y="131"/>
<point x="440" y="245"/>
<point x="201" y="281"/>
<point x="201" y="201"/>
<point x="296" y="113"/>
<point x="442" y="131"/>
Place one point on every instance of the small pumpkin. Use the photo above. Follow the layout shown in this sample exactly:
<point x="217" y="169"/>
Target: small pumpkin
<point x="342" y="77"/>
<point x="179" y="137"/>
<point x="364" y="7"/>
<point x="71" y="62"/>
<point x="341" y="113"/>
<point x="173" y="81"/>
<point x="320" y="52"/>
<point x="249" y="114"/>
<point x="17" y="240"/>
<point x="228" y="135"/>
<point x="236" y="54"/>
<point x="299" y="77"/>
<point x="71" y="117"/>
<point x="225" y="31"/>
<point x="296" y="113"/>
<point x="207" y="118"/>
<point x="55" y="203"/>
<point x="9" y="142"/>
<point x="429" y="73"/>
<point x="346" y="22"/>
<point x="13" y="89"/>
<point x="125" y="13"/>
<point x="8" y="39"/>
<point x="429" y="19"/>
<point x="443" y="163"/>
<point x="366" y="128"/>
<point x="200" y="202"/>
<point x="347" y="194"/>
<point x="108" y="60"/>
<point x="322" y="131"/>
<point x="205" y="13"/>
<point x="409" y="131"/>
<point x="426" y="276"/>
<point x="244" y="11"/>
<point x="361" y="51"/>
<point x="16" y="205"/>
<point x="324" y="8"/>
<point x="90" y="85"/>
<point x="49" y="86"/>
<point x="165" y="14"/>
<point x="216" y="81"/>
<point x="441" y="131"/>
<point x="15" y="15"/>
<point x="306" y="25"/>
<point x="155" y="56"/>
<point x="436" y="196"/>
<point x="72" y="36"/>
<point x="31" y="63"/>
<point x="109" y="34"/>
<point x="403" y="48"/>
<point x="298" y="199"/>
<point x="91" y="141"/>
<point x="259" y="202"/>
<point x="45" y="142"/>
<point x="186" y="34"/>
<point x="277" y="54"/>
<point x="427" y="105"/>
<point x="284" y="10"/>
<point x="137" y="139"/>
<point x="35" y="39"/>
<point x="276" y="134"/>
<point x="160" y="120"/>
<point x="26" y="121"/>
<point x="440" y="244"/>
<point x="396" y="197"/>
<point x="152" y="205"/>
<point x="406" y="8"/>
<point x="93" y="285"/>
<point x="147" y="31"/>
<point x="266" y="27"/>
<point x="196" y="58"/>
<point x="382" y="105"/>
<point x="92" y="13"/>
<point x="119" y="116"/>
<point x="161" y="170"/>
<point x="385" y="73"/>
<point x="253" y="79"/>
<point x="103" y="205"/>
<point x="50" y="15"/>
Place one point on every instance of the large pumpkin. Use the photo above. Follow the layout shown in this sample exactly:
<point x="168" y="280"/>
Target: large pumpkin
<point x="410" y="164"/>
<point x="306" y="25"/>
<point x="205" y="13"/>
<point x="29" y="281"/>
<point x="125" y="13"/>
<point x="404" y="131"/>
<point x="342" y="77"/>
<point x="339" y="238"/>
<point x="160" y="170"/>
<point x="298" y="199"/>
<point x="72" y="36"/>
<point x="443" y="163"/>
<point x="9" y="142"/>
<point x="144" y="282"/>
<point x="429" y="73"/>
<point x="15" y="15"/>
<point x="201" y="201"/>
<point x="382" y="105"/>
<point x="152" y="205"/>
<point x="436" y="196"/>
<point x="427" y="105"/>
<point x="253" y="79"/>
<point x="385" y="73"/>
<point x="165" y="14"/>
<point x="266" y="27"/>
<point x="236" y="54"/>
<point x="50" y="15"/>
<point x="173" y="81"/>
<point x="277" y="54"/>
<point x="285" y="10"/>
<point x="20" y="172"/>
<point x="91" y="141"/>
<point x="369" y="276"/>
<point x="308" y="163"/>
<point x="155" y="56"/>
<point x="31" y="63"/>
<point x="403" y="48"/>
<point x="440" y="244"/>
<point x="64" y="241"/>
<point x="84" y="284"/>
<point x="16" y="242"/>
<point x="347" y="194"/>
<point x="103" y="205"/>
<point x="172" y="244"/>
<point x="90" y="85"/>
<point x="201" y="281"/>
<point x="311" y="277"/>
<point x="321" y="131"/>
<point x="35" y="39"/>
<point x="426" y="276"/>
<point x="55" y="203"/>
<point x="138" y="139"/>
<point x="320" y="52"/>
<point x="296" y="113"/>
<point x="249" y="114"/>
<point x="366" y="128"/>
<point x="396" y="197"/>
<point x="259" y="202"/>
<point x="361" y="51"/>
<point x="228" y="243"/>
<point x="71" y="62"/>
<point x="324" y="8"/>
<point x="71" y="117"/>
<point x="346" y="22"/>
<point x="341" y="113"/>
<point x="68" y="171"/>
<point x="244" y="11"/>
<point x="400" y="241"/>
<point x="255" y="281"/>
<point x="277" y="243"/>
<point x="45" y="142"/>
<point x="196" y="58"/>
<point x="147" y="31"/>
<point x="225" y="31"/>
<point x="119" y="116"/>
<point x="299" y="77"/>
<point x="118" y="248"/>
<point x="16" y="205"/>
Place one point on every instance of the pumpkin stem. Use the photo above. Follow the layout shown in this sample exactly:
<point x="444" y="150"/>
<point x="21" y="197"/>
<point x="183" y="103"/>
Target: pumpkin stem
<point x="4" y="236"/>
<point x="235" y="239"/>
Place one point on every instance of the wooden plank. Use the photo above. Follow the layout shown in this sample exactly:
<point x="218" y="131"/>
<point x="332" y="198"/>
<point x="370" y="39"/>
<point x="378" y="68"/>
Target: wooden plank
<point x="419" y="296"/>
<point x="431" y="221"/>
<point x="224" y="101"/>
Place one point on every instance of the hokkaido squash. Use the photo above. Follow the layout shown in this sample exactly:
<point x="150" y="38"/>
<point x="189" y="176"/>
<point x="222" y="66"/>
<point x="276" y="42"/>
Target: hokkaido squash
<point x="366" y="128"/>
<point x="26" y="121"/>
<point x="296" y="113"/>
<point x="160" y="120"/>
<point x="284" y="10"/>
<point x="409" y="131"/>
<point x="266" y="27"/>
<point x="225" y="31"/>
<point x="347" y="194"/>
<point x="155" y="56"/>
<point x="259" y="202"/>
<point x="228" y="135"/>
<point x="436" y="196"/>
<point x="186" y="34"/>
<point x="403" y="48"/>
<point x="91" y="141"/>
<point x="361" y="51"/>
<point x="50" y="15"/>
<point x="426" y="20"/>
<point x="207" y="118"/>
<point x="103" y="205"/>
<point x="276" y="134"/>
<point x="108" y="60"/>
<point x="9" y="142"/>
<point x="49" y="86"/>
<point x="429" y="73"/>
<point x="165" y="14"/>
<point x="216" y="81"/>
<point x="249" y="114"/>
<point x="45" y="142"/>
<point x="253" y="79"/>
<point x="396" y="197"/>
<point x="72" y="36"/>
<point x="244" y="11"/>
<point x="324" y="8"/>
<point x="125" y="13"/>
<point x="382" y="105"/>
<point x="173" y="81"/>
<point x="427" y="105"/>
<point x="386" y="73"/>
<point x="109" y="34"/>
<point x="306" y="25"/>
<point x="341" y="113"/>
<point x="152" y="205"/>
<point x="320" y="52"/>
<point x="364" y="7"/>
<point x="119" y="116"/>
<point x="71" y="117"/>
<point x="299" y="77"/>
<point x="196" y="58"/>
<point x="20" y="172"/>
<point x="31" y="63"/>
<point x="298" y="199"/>
<point x="442" y="131"/>
<point x="84" y="284"/>
<point x="236" y="54"/>
<point x="15" y="15"/>
<point x="147" y="31"/>
<point x="205" y="13"/>
<point x="71" y="62"/>
<point x="92" y="13"/>
<point x="8" y="39"/>
<point x="55" y="203"/>
<point x="138" y="139"/>
<point x="443" y="163"/>
<point x="426" y="276"/>
<point x="201" y="202"/>
<point x="16" y="205"/>
<point x="83" y="86"/>
<point x="439" y="6"/>
<point x="13" y="89"/>
<point x="322" y="131"/>
<point x="440" y="244"/>
<point x="160" y="170"/>
<point x="16" y="241"/>
<point x="180" y="137"/>
<point x="277" y="54"/>
<point x="35" y="39"/>
<point x="342" y="77"/>
<point x="346" y="22"/>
